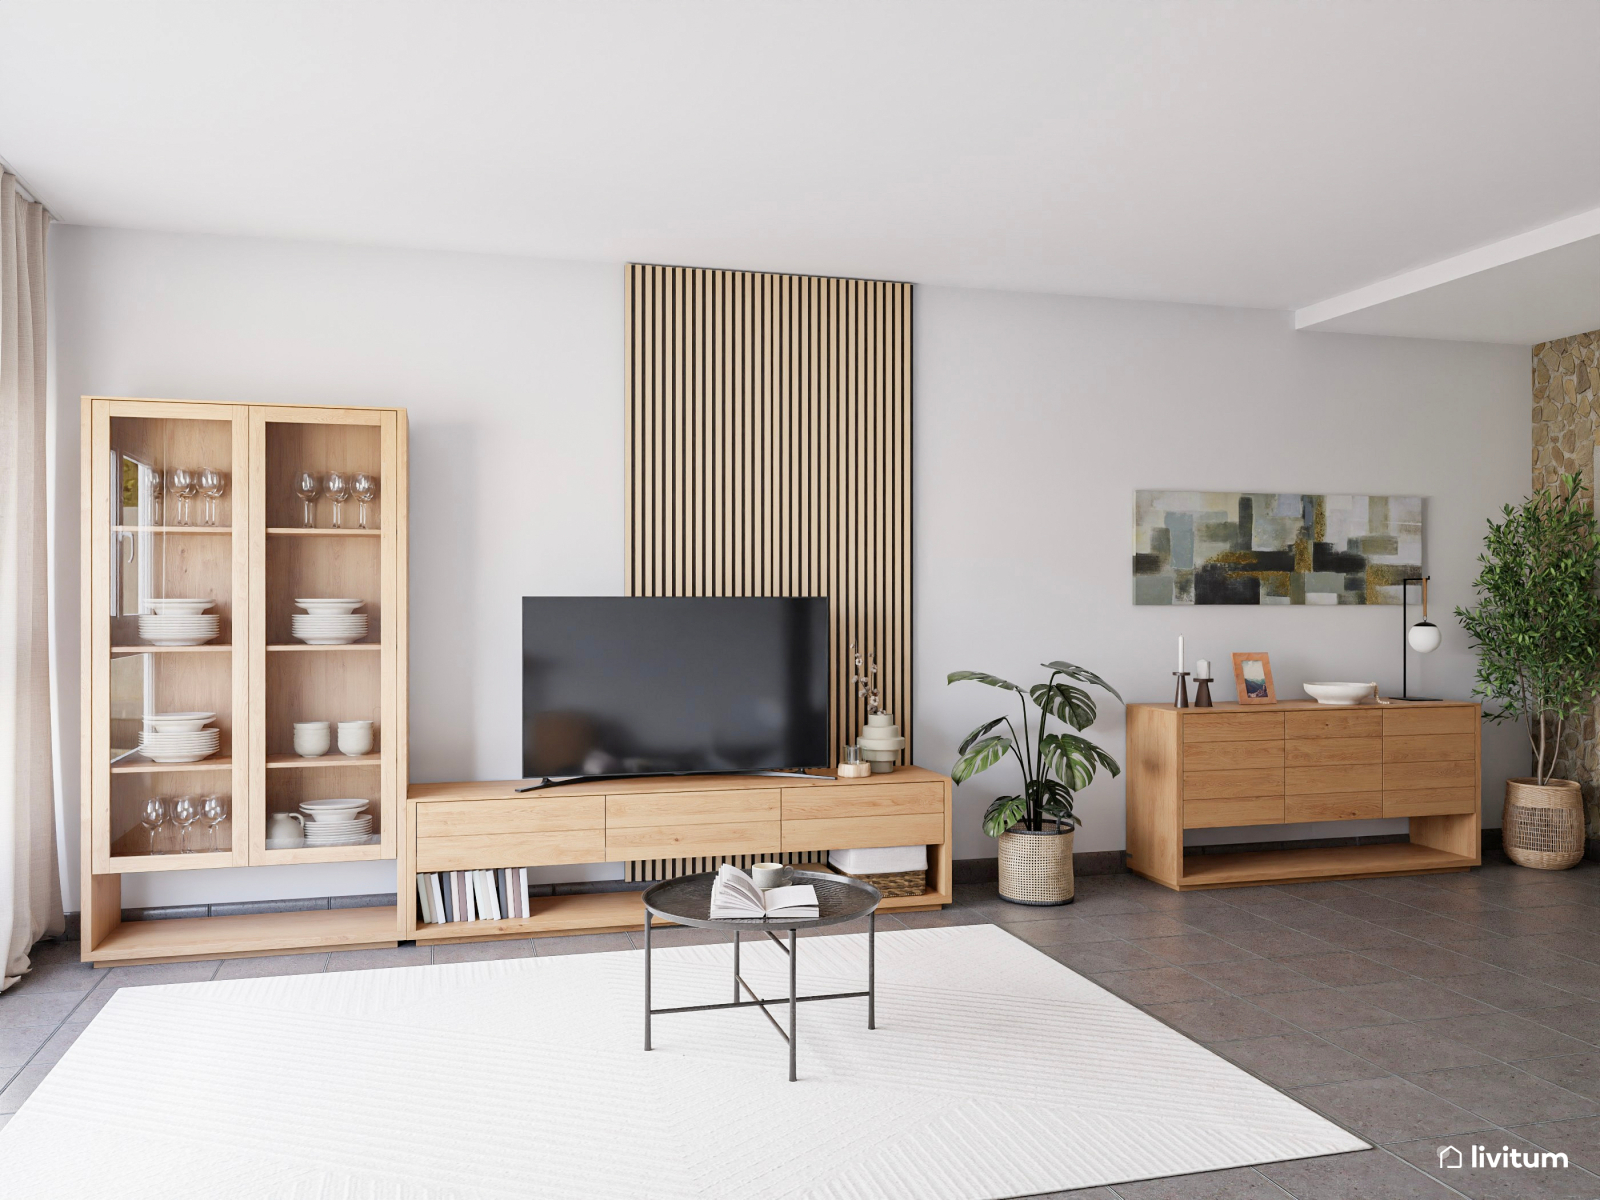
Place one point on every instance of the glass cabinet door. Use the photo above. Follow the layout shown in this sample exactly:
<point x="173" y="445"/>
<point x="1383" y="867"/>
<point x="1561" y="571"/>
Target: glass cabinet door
<point x="169" y="614"/>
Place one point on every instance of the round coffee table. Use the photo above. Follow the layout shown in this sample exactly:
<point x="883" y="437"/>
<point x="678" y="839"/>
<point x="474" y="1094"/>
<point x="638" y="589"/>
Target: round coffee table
<point x="687" y="901"/>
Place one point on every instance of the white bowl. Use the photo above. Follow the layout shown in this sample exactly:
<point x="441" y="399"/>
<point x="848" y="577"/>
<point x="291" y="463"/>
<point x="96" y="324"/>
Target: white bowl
<point x="333" y="605"/>
<point x="169" y="606"/>
<point x="181" y="722"/>
<point x="1341" y="693"/>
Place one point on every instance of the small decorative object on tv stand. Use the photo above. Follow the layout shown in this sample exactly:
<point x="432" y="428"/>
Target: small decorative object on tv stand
<point x="852" y="765"/>
<point x="880" y="742"/>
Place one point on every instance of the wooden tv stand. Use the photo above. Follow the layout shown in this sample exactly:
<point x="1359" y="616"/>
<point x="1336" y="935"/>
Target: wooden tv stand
<point x="1299" y="761"/>
<point x="471" y="826"/>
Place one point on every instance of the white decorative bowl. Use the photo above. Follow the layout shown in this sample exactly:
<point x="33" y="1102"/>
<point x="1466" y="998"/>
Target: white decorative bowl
<point x="1341" y="693"/>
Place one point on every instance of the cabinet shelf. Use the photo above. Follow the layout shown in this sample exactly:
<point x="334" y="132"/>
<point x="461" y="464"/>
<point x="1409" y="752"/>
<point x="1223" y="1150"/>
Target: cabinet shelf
<point x="145" y="766"/>
<point x="348" y="646"/>
<point x="293" y="531"/>
<point x="212" y="530"/>
<point x="331" y="759"/>
<point x="1318" y="862"/>
<point x="251" y="933"/>
<point x="203" y="648"/>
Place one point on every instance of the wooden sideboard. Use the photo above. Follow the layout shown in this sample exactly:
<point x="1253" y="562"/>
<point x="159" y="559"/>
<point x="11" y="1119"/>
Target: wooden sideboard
<point x="1291" y="762"/>
<point x="473" y="826"/>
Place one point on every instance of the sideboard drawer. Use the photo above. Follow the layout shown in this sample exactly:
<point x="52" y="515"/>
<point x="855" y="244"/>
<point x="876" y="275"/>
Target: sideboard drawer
<point x="1305" y="781"/>
<point x="1334" y="723"/>
<point x="1409" y="721"/>
<point x="1241" y="810"/>
<point x="468" y="852"/>
<point x="1334" y="806"/>
<point x="1431" y="747"/>
<point x="740" y="807"/>
<point x="1429" y="802"/>
<point x="1233" y="785"/>
<point x="1334" y="751"/>
<point x="1225" y="756"/>
<point x="692" y="841"/>
<point x="1232" y="727"/>
<point x="524" y="814"/>
<point x="1403" y="775"/>
<point x="851" y="833"/>
<point x="862" y="800"/>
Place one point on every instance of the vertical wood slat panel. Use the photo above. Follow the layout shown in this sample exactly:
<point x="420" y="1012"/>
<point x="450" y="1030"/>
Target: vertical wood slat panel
<point x="768" y="453"/>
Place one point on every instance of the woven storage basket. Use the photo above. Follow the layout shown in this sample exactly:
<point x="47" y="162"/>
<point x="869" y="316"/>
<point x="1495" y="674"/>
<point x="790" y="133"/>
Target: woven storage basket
<point x="1036" y="868"/>
<point x="895" y="883"/>
<point x="1543" y="824"/>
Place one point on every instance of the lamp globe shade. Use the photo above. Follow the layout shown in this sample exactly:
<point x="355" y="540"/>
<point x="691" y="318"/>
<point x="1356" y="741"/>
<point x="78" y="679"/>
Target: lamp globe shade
<point x="1424" y="636"/>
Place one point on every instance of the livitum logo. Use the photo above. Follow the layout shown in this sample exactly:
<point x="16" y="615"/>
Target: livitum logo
<point x="1507" y="1156"/>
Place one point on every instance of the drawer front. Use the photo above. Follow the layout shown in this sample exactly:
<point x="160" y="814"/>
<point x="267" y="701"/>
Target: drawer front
<point x="1307" y="781"/>
<point x="642" y="810"/>
<point x="1334" y="806"/>
<point x="1412" y="721"/>
<point x="532" y="814"/>
<point x="1233" y="785"/>
<point x="1232" y="727"/>
<point x="692" y="841"/>
<point x="853" y="833"/>
<point x="1334" y="751"/>
<point x="1431" y="747"/>
<point x="467" y="852"/>
<point x="1244" y="810"/>
<point x="1401" y="776"/>
<point x="1224" y="756"/>
<point x="1332" y="723"/>
<point x="1429" y="802"/>
<point x="862" y="800"/>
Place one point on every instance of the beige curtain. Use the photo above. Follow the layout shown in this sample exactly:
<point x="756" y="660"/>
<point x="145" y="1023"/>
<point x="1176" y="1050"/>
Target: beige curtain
<point x="30" y="886"/>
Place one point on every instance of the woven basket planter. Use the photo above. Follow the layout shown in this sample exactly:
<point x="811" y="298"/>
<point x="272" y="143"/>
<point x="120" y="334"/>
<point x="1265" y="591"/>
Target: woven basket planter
<point x="1542" y="825"/>
<point x="1036" y="868"/>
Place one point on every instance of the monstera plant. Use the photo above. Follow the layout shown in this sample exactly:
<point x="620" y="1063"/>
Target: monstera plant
<point x="1055" y="766"/>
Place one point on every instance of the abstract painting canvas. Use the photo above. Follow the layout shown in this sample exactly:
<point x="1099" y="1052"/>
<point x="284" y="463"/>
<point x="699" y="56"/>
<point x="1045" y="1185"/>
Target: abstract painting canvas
<point x="1273" y="548"/>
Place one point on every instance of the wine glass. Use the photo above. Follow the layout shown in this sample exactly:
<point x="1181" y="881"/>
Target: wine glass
<point x="184" y="485"/>
<point x="366" y="489"/>
<point x="152" y="480"/>
<point x="338" y="492"/>
<point x="185" y="811"/>
<point x="212" y="484"/>
<point x="308" y="487"/>
<point x="215" y="810"/>
<point x="152" y="816"/>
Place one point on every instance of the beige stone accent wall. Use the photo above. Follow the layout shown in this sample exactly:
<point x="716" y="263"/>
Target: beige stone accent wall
<point x="1566" y="410"/>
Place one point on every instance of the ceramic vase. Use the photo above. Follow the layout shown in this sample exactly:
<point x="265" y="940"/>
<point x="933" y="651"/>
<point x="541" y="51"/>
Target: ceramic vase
<point x="880" y="742"/>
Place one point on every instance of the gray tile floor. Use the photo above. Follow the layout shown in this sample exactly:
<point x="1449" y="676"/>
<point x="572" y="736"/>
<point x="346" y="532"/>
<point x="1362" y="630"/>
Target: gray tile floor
<point x="1414" y="1012"/>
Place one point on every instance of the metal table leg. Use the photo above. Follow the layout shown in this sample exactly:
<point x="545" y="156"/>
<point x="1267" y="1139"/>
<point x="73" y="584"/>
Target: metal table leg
<point x="872" y="970"/>
<point x="647" y="922"/>
<point x="793" y="1007"/>
<point x="735" y="964"/>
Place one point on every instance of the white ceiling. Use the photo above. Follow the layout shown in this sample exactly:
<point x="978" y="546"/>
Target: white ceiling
<point x="1264" y="153"/>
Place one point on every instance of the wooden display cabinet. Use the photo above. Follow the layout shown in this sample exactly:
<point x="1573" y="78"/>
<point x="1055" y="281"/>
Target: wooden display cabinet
<point x="248" y="551"/>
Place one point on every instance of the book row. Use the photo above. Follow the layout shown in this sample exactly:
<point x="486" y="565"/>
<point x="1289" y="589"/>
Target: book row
<point x="488" y="895"/>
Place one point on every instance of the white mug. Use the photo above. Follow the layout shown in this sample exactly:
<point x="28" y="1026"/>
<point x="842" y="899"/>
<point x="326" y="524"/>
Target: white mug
<point x="770" y="874"/>
<point x="355" y="737"/>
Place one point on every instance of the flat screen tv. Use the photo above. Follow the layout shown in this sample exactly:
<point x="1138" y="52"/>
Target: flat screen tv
<point x="618" y="686"/>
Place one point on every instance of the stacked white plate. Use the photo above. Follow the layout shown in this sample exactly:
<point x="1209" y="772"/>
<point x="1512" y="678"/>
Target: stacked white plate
<point x="329" y="622"/>
<point x="179" y="737"/>
<point x="336" y="822"/>
<point x="177" y="622"/>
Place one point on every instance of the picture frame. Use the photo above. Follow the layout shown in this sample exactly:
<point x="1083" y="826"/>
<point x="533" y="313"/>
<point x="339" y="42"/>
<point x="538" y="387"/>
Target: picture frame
<point x="1252" y="675"/>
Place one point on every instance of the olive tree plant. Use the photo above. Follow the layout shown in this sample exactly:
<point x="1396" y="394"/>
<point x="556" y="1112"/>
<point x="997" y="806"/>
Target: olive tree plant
<point x="1537" y="623"/>
<point x="1055" y="766"/>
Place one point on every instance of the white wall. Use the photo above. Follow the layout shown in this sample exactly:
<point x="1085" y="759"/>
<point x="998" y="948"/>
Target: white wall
<point x="512" y="372"/>
<point x="1037" y="417"/>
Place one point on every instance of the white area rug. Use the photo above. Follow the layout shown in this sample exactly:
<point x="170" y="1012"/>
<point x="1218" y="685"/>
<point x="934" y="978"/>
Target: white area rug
<point x="994" y="1072"/>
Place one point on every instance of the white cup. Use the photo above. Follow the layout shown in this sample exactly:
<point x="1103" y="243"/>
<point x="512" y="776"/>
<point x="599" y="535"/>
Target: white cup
<point x="355" y="737"/>
<point x="312" y="738"/>
<point x="770" y="874"/>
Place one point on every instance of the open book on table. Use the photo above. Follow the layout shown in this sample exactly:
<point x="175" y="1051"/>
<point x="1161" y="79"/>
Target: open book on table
<point x="734" y="895"/>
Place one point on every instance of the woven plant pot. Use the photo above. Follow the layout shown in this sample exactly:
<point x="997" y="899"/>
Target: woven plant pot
<point x="1542" y="825"/>
<point x="1036" y="868"/>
